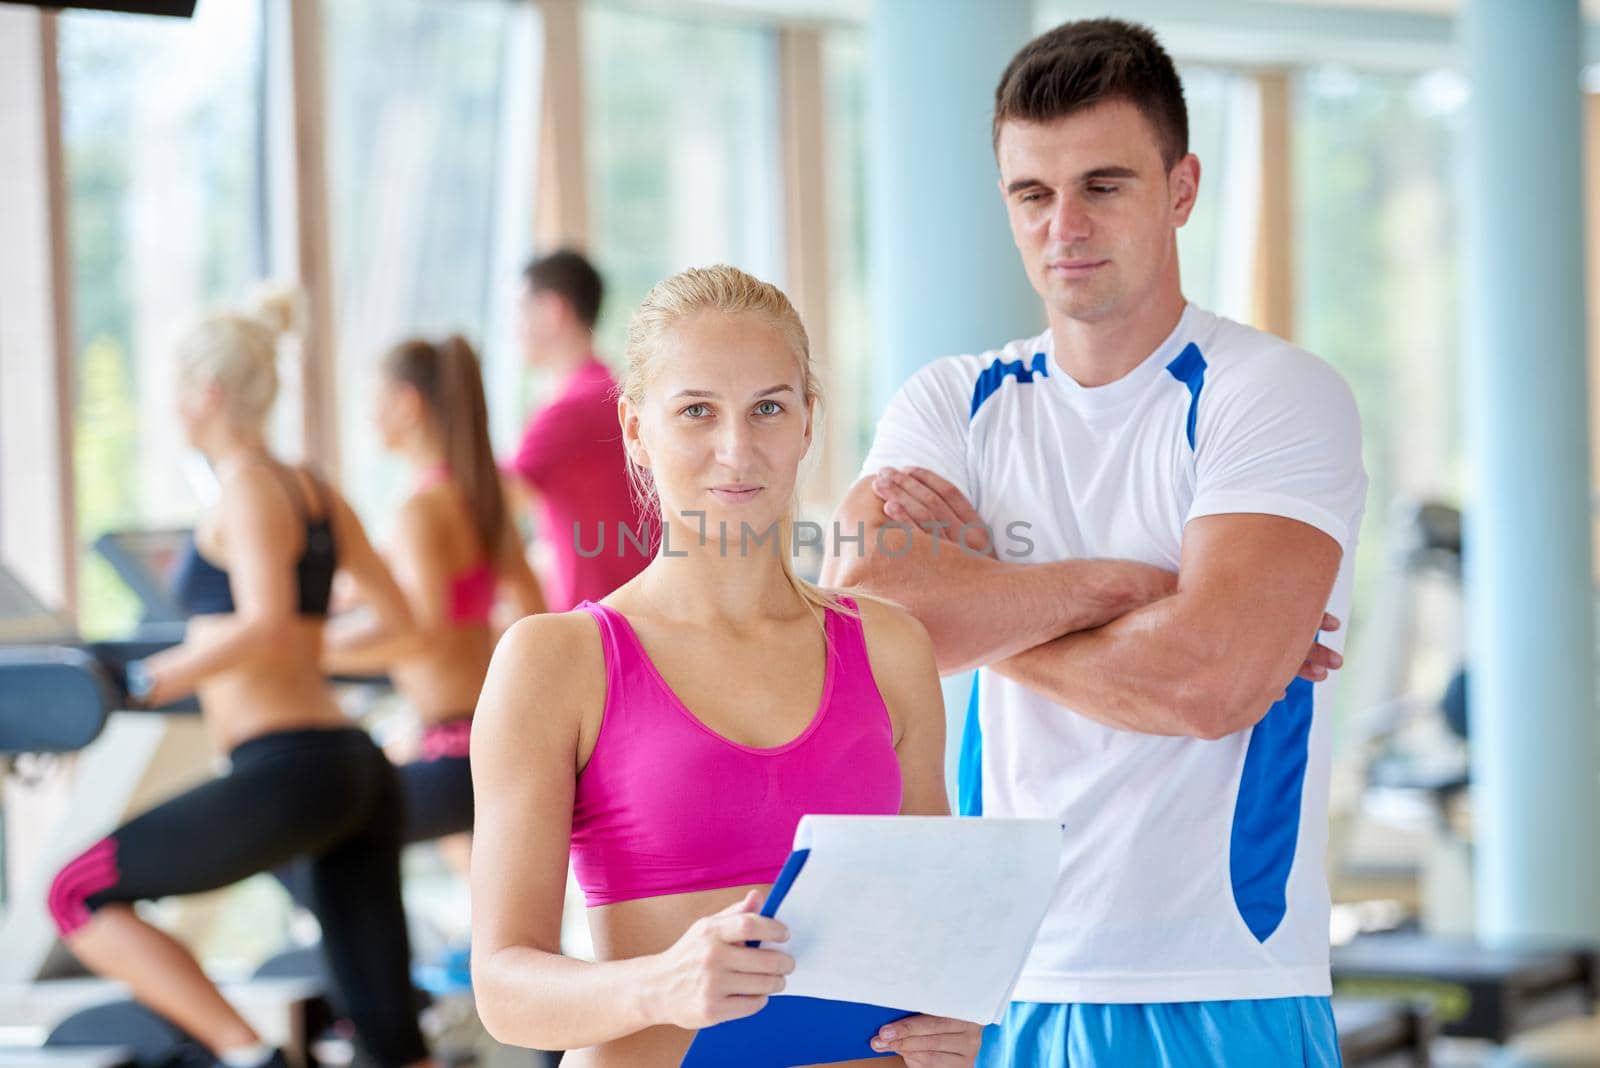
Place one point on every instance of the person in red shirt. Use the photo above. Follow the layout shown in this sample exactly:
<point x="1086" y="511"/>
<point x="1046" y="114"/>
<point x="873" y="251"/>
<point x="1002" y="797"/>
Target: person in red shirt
<point x="571" y="461"/>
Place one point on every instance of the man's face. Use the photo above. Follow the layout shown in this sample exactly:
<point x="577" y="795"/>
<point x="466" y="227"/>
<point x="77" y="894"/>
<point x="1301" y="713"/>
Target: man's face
<point x="541" y="317"/>
<point x="1094" y="209"/>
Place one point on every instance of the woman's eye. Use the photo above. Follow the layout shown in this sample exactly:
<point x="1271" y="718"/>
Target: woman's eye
<point x="696" y="411"/>
<point x="769" y="408"/>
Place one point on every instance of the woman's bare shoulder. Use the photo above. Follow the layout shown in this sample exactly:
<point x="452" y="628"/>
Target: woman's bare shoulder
<point x="894" y="636"/>
<point x="548" y="670"/>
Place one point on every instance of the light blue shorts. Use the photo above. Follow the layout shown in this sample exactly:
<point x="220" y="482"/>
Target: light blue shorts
<point x="1272" y="1033"/>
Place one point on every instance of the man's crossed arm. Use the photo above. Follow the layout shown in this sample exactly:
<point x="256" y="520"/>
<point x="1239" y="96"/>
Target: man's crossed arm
<point x="977" y="609"/>
<point x="1204" y="653"/>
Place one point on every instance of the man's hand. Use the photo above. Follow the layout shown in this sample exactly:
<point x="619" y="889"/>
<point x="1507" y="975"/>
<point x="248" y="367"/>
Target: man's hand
<point x="923" y="500"/>
<point x="931" y="1041"/>
<point x="1321" y="660"/>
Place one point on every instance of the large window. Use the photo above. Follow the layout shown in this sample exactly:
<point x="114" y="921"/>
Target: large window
<point x="682" y="131"/>
<point x="1217" y="245"/>
<point x="1378" y="272"/>
<point x="431" y="122"/>
<point x="163" y="139"/>
<point x="850" y="418"/>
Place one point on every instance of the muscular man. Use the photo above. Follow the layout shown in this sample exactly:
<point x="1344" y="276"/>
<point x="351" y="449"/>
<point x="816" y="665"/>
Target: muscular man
<point x="1031" y="504"/>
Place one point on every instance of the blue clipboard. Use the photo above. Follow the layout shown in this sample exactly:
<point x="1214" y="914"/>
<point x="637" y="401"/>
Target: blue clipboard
<point x="792" y="1031"/>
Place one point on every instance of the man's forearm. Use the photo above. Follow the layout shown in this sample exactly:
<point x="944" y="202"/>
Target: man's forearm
<point x="1153" y="671"/>
<point x="978" y="609"/>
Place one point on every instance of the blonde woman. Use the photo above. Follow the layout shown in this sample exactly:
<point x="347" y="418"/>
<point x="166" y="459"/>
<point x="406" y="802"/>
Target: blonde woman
<point x="301" y="781"/>
<point x="670" y="737"/>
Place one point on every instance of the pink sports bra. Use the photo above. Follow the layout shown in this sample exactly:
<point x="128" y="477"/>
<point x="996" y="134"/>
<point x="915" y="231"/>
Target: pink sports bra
<point x="666" y="805"/>
<point x="470" y="595"/>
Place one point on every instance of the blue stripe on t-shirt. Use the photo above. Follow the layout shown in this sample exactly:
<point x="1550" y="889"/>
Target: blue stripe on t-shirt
<point x="991" y="377"/>
<point x="1266" y="816"/>
<point x="969" y="766"/>
<point x="1189" y="367"/>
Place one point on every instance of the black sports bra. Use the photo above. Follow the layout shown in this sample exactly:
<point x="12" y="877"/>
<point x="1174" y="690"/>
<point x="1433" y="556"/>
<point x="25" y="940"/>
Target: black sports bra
<point x="202" y="588"/>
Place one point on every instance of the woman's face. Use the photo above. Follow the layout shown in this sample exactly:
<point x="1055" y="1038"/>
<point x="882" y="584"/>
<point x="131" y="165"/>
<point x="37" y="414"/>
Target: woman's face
<point x="723" y="424"/>
<point x="397" y="407"/>
<point x="199" y="405"/>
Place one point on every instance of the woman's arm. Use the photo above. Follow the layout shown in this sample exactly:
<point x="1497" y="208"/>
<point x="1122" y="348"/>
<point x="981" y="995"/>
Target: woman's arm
<point x="546" y="677"/>
<point x="545" y="690"/>
<point x="903" y="665"/>
<point x="385" y="628"/>
<point x="255" y="527"/>
<point x="908" y="678"/>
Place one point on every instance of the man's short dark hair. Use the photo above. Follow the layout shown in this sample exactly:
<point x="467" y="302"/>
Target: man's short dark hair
<point x="570" y="274"/>
<point x="1080" y="64"/>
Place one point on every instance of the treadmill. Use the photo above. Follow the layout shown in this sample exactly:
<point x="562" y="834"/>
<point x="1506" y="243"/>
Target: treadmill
<point x="146" y="561"/>
<point x="57" y="693"/>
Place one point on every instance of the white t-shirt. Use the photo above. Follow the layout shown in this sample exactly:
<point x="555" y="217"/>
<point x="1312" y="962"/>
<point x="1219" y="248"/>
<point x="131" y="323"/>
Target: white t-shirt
<point x="1193" y="869"/>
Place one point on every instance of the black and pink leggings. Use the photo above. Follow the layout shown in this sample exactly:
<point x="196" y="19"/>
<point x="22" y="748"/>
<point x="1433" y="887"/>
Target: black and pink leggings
<point x="435" y="797"/>
<point x="328" y="796"/>
<point x="437" y="786"/>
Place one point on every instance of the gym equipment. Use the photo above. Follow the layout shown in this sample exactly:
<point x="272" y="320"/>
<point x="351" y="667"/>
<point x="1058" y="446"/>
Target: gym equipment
<point x="1380" y="1033"/>
<point x="1408" y="739"/>
<point x="148" y="1040"/>
<point x="1471" y="990"/>
<point x="57" y="691"/>
<point x="67" y="1057"/>
<point x="84" y="1022"/>
<point x="145" y="560"/>
<point x="1411" y="752"/>
<point x="57" y="694"/>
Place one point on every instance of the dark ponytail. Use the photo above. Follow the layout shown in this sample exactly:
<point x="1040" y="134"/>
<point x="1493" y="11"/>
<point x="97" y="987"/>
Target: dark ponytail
<point x="448" y="378"/>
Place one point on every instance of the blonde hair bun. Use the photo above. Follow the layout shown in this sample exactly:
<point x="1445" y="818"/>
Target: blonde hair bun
<point x="237" y="351"/>
<point x="278" y="306"/>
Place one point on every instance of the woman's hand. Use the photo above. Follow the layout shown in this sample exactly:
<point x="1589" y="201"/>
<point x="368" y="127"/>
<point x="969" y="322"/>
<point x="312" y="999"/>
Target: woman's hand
<point x="710" y="975"/>
<point x="931" y="1041"/>
<point x="157" y="683"/>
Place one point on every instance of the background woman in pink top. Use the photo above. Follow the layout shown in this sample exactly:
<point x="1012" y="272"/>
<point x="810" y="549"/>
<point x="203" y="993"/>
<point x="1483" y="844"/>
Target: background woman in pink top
<point x="455" y="552"/>
<point x="670" y="737"/>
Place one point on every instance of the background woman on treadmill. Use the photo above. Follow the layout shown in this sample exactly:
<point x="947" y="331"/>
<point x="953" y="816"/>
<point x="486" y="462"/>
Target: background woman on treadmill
<point x="302" y="781"/>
